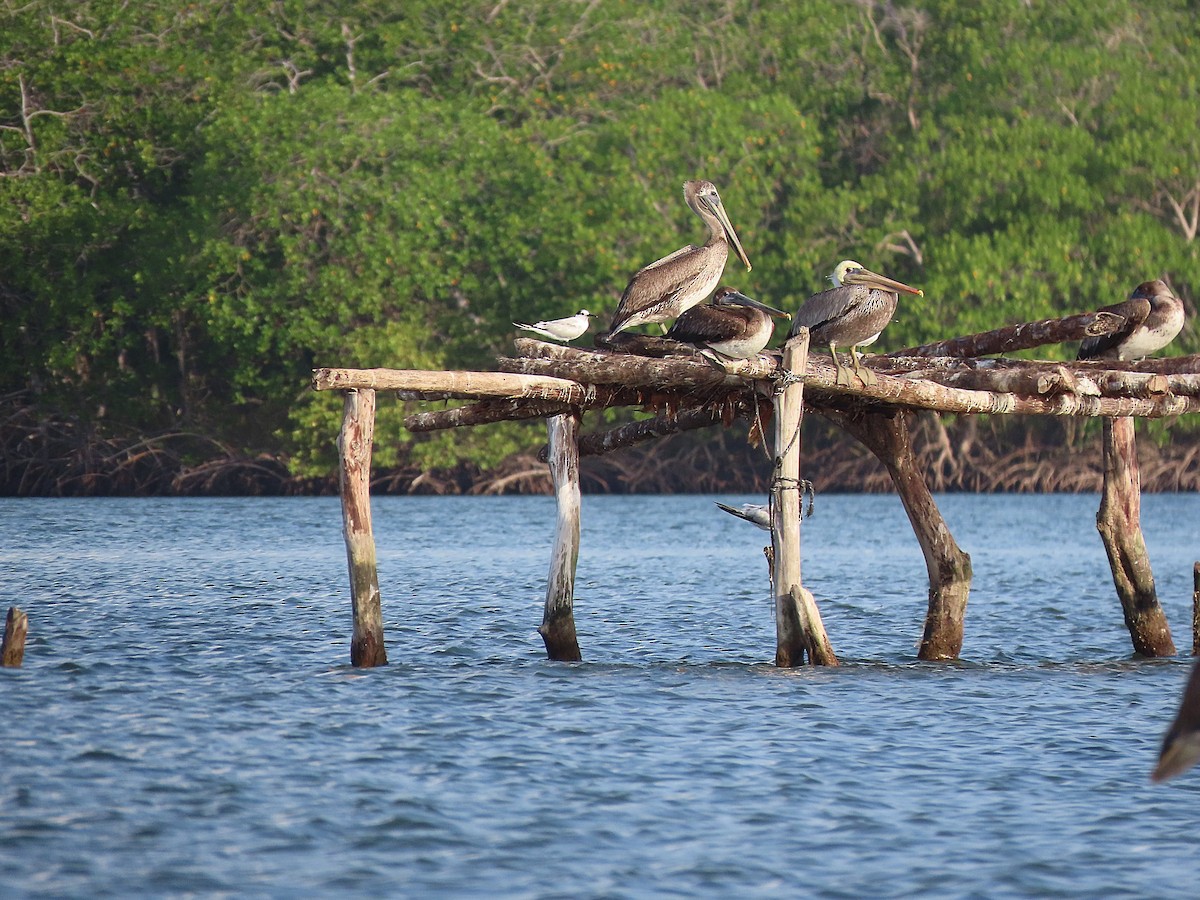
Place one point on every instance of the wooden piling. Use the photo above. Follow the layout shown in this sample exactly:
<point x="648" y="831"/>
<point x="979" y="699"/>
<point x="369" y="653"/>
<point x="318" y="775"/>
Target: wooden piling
<point x="1196" y="609"/>
<point x="798" y="626"/>
<point x="558" y="619"/>
<point x="12" y="650"/>
<point x="1119" y="524"/>
<point x="354" y="452"/>
<point x="887" y="434"/>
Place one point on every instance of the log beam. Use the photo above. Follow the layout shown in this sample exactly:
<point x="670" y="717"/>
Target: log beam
<point x="483" y="412"/>
<point x="1119" y="524"/>
<point x="920" y="392"/>
<point x="925" y="394"/>
<point x="1021" y="337"/>
<point x="443" y="385"/>
<point x="633" y="433"/>
<point x="626" y="370"/>
<point x="558" y="619"/>
<point x="354" y="453"/>
<point x="887" y="434"/>
<point x="12" y="649"/>
<point x="798" y="626"/>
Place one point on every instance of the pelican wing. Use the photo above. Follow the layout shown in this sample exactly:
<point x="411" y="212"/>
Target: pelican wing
<point x="665" y="279"/>
<point x="828" y="305"/>
<point x="1135" y="310"/>
<point x="704" y="324"/>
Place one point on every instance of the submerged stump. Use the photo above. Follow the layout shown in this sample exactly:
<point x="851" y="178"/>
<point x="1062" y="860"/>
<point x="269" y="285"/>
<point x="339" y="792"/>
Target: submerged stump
<point x="558" y="619"/>
<point x="1120" y="527"/>
<point x="16" y="626"/>
<point x="1196" y="609"/>
<point x="354" y="452"/>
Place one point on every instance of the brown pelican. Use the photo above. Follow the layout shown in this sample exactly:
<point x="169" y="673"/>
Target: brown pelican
<point x="853" y="312"/>
<point x="1153" y="316"/>
<point x="664" y="289"/>
<point x="732" y="325"/>
<point x="560" y="329"/>
<point x="1181" y="744"/>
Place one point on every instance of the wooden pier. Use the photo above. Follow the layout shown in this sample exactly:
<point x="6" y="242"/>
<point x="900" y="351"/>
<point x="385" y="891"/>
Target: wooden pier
<point x="684" y="391"/>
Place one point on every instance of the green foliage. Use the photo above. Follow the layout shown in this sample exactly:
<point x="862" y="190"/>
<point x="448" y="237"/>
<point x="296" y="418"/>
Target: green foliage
<point x="202" y="202"/>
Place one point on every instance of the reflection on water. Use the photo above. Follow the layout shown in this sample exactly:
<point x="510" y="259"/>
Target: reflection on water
<point x="186" y="722"/>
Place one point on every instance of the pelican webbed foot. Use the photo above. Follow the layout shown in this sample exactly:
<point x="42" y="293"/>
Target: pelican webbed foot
<point x="843" y="374"/>
<point x="865" y="375"/>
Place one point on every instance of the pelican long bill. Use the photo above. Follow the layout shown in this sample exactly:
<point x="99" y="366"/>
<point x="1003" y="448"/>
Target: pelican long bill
<point x="879" y="282"/>
<point x="718" y="209"/>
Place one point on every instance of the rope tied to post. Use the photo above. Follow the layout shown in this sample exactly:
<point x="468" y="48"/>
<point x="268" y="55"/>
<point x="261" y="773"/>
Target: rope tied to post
<point x="784" y="379"/>
<point x="803" y="485"/>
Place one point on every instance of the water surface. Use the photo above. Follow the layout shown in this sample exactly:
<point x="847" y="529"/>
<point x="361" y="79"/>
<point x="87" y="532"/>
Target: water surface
<point x="186" y="720"/>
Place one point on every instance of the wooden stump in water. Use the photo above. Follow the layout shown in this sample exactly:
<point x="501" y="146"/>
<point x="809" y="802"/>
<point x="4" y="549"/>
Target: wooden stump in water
<point x="798" y="626"/>
<point x="886" y="433"/>
<point x="354" y="452"/>
<point x="558" y="619"/>
<point x="16" y="626"/>
<point x="1120" y="527"/>
<point x="1196" y="609"/>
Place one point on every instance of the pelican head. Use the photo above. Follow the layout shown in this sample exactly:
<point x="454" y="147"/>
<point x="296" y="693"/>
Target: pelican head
<point x="703" y="198"/>
<point x="727" y="296"/>
<point x="850" y="272"/>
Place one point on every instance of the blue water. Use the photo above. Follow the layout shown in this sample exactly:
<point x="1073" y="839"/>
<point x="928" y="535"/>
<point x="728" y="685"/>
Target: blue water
<point x="186" y="721"/>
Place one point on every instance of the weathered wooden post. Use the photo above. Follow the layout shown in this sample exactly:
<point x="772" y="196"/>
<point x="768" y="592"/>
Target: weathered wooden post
<point x="886" y="433"/>
<point x="16" y="626"/>
<point x="558" y="619"/>
<point x="1119" y="524"/>
<point x="1196" y="609"/>
<point x="798" y="626"/>
<point x="354" y="452"/>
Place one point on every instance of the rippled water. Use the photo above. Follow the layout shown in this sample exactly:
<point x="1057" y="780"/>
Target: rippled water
<point x="186" y="720"/>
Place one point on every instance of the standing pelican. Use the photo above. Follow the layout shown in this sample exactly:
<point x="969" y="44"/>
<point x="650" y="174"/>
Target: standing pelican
<point x="1153" y="317"/>
<point x="1181" y="743"/>
<point x="664" y="289"/>
<point x="560" y="329"/>
<point x="732" y="325"/>
<point x="853" y="312"/>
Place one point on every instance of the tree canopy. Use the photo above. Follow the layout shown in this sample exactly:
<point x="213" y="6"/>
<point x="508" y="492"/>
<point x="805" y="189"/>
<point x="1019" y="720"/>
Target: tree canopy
<point x="201" y="201"/>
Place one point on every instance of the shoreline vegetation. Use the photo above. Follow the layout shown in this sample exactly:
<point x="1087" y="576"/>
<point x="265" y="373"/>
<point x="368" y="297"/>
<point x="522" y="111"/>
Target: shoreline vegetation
<point x="200" y="204"/>
<point x="65" y="458"/>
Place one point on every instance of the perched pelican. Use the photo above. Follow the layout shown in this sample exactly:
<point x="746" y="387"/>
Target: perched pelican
<point x="1181" y="743"/>
<point x="560" y="329"/>
<point x="1153" y="316"/>
<point x="853" y="312"/>
<point x="732" y="325"/>
<point x="664" y="289"/>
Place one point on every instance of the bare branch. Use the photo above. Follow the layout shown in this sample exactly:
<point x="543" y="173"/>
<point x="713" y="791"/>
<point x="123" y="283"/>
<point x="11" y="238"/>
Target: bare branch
<point x="55" y="21"/>
<point x="909" y="248"/>
<point x="496" y="10"/>
<point x="350" y="39"/>
<point x="1187" y="218"/>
